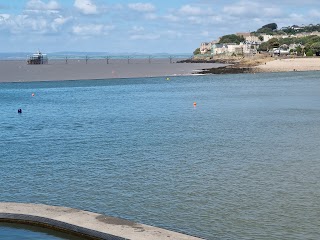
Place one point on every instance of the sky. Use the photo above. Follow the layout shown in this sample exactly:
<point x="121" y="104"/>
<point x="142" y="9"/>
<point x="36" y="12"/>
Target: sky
<point x="139" y="26"/>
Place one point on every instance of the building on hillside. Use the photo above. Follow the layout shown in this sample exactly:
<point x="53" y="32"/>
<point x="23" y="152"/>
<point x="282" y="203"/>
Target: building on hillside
<point x="266" y="37"/>
<point x="250" y="48"/>
<point x="248" y="36"/>
<point x="252" y="38"/>
<point x="219" y="48"/>
<point x="205" y="47"/>
<point x="226" y="49"/>
<point x="234" y="48"/>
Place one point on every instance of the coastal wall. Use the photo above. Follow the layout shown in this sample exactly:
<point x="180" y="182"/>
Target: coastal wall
<point x="88" y="224"/>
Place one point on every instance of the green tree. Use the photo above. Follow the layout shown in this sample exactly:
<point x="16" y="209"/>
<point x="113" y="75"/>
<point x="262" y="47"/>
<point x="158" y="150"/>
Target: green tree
<point x="268" y="31"/>
<point x="232" y="38"/>
<point x="260" y="38"/>
<point x="264" y="46"/>
<point x="309" y="53"/>
<point x="196" y="52"/>
<point x="268" y="28"/>
<point x="299" y="51"/>
<point x="315" y="47"/>
<point x="273" y="43"/>
<point x="272" y="26"/>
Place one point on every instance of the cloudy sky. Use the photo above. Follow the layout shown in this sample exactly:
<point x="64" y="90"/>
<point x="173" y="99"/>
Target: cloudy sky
<point x="146" y="26"/>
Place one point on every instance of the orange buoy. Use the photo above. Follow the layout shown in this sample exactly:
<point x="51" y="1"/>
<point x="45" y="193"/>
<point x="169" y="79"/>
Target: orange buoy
<point x="194" y="104"/>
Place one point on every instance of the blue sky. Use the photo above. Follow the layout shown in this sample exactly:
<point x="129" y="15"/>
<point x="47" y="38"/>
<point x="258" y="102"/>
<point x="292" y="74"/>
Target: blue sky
<point x="146" y="26"/>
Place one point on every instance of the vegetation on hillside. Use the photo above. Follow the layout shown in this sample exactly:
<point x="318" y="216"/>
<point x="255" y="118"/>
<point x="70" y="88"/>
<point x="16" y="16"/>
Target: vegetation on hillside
<point x="231" y="38"/>
<point x="268" y="28"/>
<point x="308" y="44"/>
<point x="196" y="52"/>
<point x="291" y="30"/>
<point x="272" y="29"/>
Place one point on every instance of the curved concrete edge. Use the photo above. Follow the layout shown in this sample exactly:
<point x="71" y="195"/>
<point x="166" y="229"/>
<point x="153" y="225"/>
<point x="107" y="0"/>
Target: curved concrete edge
<point x="84" y="223"/>
<point x="56" y="225"/>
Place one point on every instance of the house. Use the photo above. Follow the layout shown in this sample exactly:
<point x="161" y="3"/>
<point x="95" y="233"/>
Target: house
<point x="250" y="47"/>
<point x="219" y="48"/>
<point x="234" y="48"/>
<point x="266" y="37"/>
<point x="226" y="49"/>
<point x="205" y="47"/>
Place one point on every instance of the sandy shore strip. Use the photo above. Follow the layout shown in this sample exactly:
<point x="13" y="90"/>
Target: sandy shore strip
<point x="19" y="71"/>
<point x="289" y="65"/>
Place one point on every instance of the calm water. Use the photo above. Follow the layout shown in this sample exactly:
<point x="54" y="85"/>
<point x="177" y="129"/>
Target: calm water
<point x="242" y="164"/>
<point x="9" y="231"/>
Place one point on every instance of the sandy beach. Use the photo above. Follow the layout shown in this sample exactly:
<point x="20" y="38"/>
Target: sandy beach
<point x="19" y="71"/>
<point x="289" y="65"/>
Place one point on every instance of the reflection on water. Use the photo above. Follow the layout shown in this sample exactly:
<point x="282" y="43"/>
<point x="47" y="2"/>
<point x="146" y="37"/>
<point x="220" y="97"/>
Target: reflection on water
<point x="242" y="164"/>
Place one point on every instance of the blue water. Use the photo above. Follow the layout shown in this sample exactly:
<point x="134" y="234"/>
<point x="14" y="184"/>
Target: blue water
<point x="9" y="231"/>
<point x="242" y="164"/>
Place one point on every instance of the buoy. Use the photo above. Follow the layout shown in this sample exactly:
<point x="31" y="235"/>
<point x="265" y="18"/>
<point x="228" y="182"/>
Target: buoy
<point x="194" y="104"/>
<point x="32" y="94"/>
<point x="168" y="79"/>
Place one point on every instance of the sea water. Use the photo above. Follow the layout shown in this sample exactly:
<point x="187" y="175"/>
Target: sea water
<point x="241" y="163"/>
<point x="10" y="231"/>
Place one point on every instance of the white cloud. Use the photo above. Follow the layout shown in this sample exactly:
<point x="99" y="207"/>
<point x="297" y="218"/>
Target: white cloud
<point x="240" y="10"/>
<point x="172" y="18"/>
<point x="85" y="7"/>
<point x="151" y="16"/>
<point x="136" y="29"/>
<point x="92" y="29"/>
<point x="23" y="23"/>
<point x="272" y="12"/>
<point x="314" y="13"/>
<point x="59" y="21"/>
<point x="172" y="34"/>
<point x="190" y="10"/>
<point x="144" y="36"/>
<point x="142" y="7"/>
<point x="205" y="33"/>
<point x="38" y="5"/>
<point x="4" y="17"/>
<point x="195" y="20"/>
